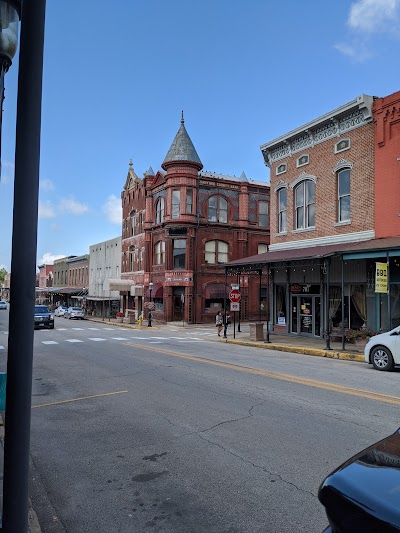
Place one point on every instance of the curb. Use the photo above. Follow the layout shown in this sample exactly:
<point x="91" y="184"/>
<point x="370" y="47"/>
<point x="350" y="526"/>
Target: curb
<point x="331" y="354"/>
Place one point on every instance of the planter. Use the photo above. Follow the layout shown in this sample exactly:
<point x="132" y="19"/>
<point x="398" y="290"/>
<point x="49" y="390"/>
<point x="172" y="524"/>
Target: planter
<point x="360" y="343"/>
<point x="119" y="319"/>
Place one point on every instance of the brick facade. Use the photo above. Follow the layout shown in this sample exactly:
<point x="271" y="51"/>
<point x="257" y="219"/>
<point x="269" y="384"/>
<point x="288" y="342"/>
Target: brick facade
<point x="387" y="165"/>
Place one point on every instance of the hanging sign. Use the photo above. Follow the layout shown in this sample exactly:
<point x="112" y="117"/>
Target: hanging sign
<point x="381" y="277"/>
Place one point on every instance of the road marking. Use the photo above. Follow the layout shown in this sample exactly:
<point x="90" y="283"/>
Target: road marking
<point x="156" y="342"/>
<point x="140" y="338"/>
<point x="61" y="329"/>
<point x="2" y="348"/>
<point x="159" y="338"/>
<point x="73" y="340"/>
<point x="79" y="399"/>
<point x="109" y="329"/>
<point x="96" y="339"/>
<point x="341" y="389"/>
<point x="119" y="338"/>
<point x="78" y="329"/>
<point x="94" y="329"/>
<point x="49" y="342"/>
<point x="5" y="332"/>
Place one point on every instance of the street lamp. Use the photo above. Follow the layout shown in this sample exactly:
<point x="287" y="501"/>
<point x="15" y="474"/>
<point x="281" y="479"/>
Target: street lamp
<point x="149" y="316"/>
<point x="9" y="18"/>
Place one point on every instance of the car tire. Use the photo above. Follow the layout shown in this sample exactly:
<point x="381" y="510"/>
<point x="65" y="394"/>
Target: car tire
<point x="382" y="359"/>
<point x="52" y="327"/>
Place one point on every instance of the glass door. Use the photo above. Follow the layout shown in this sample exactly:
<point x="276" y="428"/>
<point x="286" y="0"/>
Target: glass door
<point x="306" y="315"/>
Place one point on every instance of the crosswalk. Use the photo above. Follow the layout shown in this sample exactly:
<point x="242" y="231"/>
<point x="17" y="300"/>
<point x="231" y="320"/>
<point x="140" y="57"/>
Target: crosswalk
<point x="179" y="337"/>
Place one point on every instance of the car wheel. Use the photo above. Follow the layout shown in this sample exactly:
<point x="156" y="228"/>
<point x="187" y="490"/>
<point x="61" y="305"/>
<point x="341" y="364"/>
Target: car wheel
<point x="381" y="358"/>
<point x="52" y="327"/>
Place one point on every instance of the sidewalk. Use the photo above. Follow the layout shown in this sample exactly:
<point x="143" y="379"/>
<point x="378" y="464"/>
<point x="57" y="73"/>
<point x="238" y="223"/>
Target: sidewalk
<point x="283" y="343"/>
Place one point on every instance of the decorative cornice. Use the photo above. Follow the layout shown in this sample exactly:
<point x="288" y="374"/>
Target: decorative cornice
<point x="281" y="185"/>
<point x="343" y="119"/>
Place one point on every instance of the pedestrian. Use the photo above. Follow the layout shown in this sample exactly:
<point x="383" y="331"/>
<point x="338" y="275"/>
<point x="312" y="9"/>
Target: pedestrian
<point x="219" y="323"/>
<point x="228" y="320"/>
<point x="149" y="317"/>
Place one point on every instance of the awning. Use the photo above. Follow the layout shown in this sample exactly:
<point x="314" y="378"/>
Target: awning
<point x="69" y="290"/>
<point x="156" y="292"/>
<point x="121" y="285"/>
<point x="102" y="299"/>
<point x="216" y="291"/>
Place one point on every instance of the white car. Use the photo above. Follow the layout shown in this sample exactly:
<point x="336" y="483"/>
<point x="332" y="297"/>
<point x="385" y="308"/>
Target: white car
<point x="60" y="311"/>
<point x="74" y="312"/>
<point x="383" y="350"/>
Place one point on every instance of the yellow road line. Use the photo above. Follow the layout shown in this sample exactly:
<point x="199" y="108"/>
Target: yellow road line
<point x="79" y="399"/>
<point x="342" y="389"/>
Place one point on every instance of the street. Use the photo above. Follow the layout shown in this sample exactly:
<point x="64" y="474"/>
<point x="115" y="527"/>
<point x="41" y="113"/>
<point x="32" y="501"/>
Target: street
<point x="167" y="429"/>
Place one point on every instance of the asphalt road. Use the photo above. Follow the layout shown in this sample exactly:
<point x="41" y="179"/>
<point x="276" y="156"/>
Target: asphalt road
<point x="170" y="430"/>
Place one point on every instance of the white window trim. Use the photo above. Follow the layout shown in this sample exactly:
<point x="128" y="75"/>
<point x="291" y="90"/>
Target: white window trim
<point x="302" y="164"/>
<point x="277" y="172"/>
<point x="336" y="151"/>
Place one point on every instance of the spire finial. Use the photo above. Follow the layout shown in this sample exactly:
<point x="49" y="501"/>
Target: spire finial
<point x="130" y="163"/>
<point x="182" y="119"/>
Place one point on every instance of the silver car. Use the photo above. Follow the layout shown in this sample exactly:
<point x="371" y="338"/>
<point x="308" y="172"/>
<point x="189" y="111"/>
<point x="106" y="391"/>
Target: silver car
<point x="74" y="312"/>
<point x="60" y="311"/>
<point x="3" y="304"/>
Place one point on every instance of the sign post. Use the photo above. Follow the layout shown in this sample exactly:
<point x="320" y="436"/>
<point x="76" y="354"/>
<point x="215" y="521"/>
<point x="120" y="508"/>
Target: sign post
<point x="234" y="297"/>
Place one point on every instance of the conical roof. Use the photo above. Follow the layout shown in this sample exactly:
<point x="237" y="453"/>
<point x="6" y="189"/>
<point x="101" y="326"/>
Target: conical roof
<point x="182" y="148"/>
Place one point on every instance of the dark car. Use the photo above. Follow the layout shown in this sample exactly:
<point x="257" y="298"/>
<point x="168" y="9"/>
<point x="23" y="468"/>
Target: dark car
<point x="43" y="317"/>
<point x="363" y="494"/>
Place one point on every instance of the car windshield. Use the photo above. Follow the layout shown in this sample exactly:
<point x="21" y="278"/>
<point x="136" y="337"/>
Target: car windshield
<point x="41" y="309"/>
<point x="76" y="309"/>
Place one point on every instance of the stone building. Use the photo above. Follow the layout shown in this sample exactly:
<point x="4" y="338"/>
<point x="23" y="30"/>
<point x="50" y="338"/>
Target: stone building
<point x="180" y="226"/>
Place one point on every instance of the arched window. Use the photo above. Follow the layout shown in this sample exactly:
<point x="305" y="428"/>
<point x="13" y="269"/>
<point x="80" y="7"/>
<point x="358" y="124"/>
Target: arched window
<point x="131" y="258"/>
<point x="160" y="252"/>
<point x="160" y="211"/>
<point x="216" y="252"/>
<point x="343" y="180"/>
<point x="133" y="222"/>
<point x="304" y="195"/>
<point x="282" y="207"/>
<point x="217" y="209"/>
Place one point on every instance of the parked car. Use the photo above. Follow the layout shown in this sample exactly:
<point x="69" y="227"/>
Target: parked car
<point x="43" y="317"/>
<point x="363" y="494"/>
<point x="60" y="311"/>
<point x="74" y="312"/>
<point x="3" y="304"/>
<point x="383" y="350"/>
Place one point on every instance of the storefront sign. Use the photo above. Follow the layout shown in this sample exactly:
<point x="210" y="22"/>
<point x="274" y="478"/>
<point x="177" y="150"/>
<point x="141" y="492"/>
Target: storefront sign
<point x="297" y="288"/>
<point x="281" y="321"/>
<point x="381" y="278"/>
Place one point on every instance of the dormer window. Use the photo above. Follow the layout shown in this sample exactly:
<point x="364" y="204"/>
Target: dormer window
<point x="303" y="160"/>
<point x="281" y="169"/>
<point x="342" y="145"/>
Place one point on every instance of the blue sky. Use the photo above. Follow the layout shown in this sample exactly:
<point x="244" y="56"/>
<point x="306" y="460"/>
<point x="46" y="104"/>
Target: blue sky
<point x="117" y="75"/>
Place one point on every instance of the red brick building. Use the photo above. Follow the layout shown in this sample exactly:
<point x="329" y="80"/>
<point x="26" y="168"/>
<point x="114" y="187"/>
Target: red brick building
<point x="387" y="165"/>
<point x="180" y="226"/>
<point x="335" y="192"/>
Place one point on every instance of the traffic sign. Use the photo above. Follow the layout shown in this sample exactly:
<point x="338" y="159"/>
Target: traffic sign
<point x="235" y="306"/>
<point x="234" y="296"/>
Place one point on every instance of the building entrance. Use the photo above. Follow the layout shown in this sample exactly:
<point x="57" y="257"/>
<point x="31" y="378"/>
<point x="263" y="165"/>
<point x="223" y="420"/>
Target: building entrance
<point x="178" y="302"/>
<point x="306" y="315"/>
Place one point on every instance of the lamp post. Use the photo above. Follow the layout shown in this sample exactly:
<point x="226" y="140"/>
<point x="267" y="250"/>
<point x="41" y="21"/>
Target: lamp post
<point x="150" y="313"/>
<point x="9" y="18"/>
<point x="23" y="267"/>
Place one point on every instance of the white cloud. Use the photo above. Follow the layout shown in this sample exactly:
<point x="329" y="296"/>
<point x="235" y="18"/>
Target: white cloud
<point x="46" y="210"/>
<point x="48" y="258"/>
<point x="372" y="16"/>
<point x="113" y="209"/>
<point x="46" y="185"/>
<point x="358" y="52"/>
<point x="69" y="205"/>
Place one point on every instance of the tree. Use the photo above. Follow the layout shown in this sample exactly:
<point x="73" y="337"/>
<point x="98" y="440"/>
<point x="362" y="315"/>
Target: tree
<point x="3" y="273"/>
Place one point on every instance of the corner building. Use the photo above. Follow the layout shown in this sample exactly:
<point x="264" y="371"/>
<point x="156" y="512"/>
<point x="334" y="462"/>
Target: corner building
<point x="180" y="226"/>
<point x="335" y="212"/>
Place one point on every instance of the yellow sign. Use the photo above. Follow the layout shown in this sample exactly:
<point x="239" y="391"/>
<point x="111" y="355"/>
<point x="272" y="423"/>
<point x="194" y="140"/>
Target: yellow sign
<point x="381" y="277"/>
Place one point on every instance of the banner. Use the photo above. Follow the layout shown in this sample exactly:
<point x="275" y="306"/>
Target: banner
<point x="381" y="277"/>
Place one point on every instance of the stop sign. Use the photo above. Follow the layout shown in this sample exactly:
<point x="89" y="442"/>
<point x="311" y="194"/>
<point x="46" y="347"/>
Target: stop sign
<point x="234" y="296"/>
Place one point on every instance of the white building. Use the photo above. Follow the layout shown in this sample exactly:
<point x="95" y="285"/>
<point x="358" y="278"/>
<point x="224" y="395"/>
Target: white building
<point x="104" y="263"/>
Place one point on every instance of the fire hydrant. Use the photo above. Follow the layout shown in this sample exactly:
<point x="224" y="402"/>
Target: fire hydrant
<point x="140" y="319"/>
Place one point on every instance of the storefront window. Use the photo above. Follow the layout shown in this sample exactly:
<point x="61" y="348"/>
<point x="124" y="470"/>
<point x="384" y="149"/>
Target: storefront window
<point x="179" y="254"/>
<point x="280" y="305"/>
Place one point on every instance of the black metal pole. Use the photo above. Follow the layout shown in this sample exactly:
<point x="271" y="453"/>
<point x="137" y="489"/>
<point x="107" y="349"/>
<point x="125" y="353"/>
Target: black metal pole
<point x="150" y="313"/>
<point x="259" y="297"/>
<point x="23" y="267"/>
<point x="343" y="332"/>
<point x="268" y="304"/>
<point x="225" y="304"/>
<point x="327" y="317"/>
<point x="238" y="328"/>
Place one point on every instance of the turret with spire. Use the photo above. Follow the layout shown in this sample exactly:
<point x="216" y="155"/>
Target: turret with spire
<point x="182" y="150"/>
